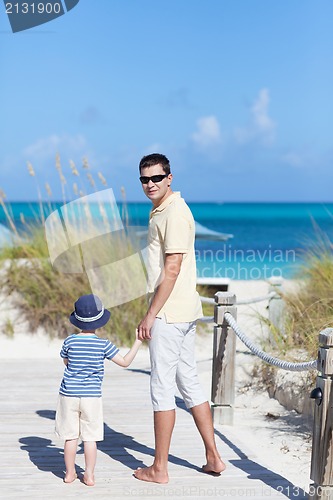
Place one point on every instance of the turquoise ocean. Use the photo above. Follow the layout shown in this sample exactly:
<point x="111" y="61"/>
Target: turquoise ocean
<point x="269" y="239"/>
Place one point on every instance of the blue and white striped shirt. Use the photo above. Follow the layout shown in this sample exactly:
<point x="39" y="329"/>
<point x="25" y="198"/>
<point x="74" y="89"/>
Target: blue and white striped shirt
<point x="84" y="372"/>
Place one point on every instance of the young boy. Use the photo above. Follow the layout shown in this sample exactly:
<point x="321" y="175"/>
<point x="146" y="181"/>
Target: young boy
<point x="79" y="410"/>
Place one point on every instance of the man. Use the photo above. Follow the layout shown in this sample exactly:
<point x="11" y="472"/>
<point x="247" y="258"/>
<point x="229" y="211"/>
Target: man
<point x="170" y="321"/>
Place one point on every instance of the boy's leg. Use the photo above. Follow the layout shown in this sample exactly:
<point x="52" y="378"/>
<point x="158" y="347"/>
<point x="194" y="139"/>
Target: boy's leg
<point x="91" y="430"/>
<point x="67" y="428"/>
<point x="69" y="456"/>
<point x="90" y="454"/>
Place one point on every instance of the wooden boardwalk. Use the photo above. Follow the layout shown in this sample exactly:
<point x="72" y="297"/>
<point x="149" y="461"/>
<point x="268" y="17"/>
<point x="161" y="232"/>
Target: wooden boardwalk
<point x="32" y="458"/>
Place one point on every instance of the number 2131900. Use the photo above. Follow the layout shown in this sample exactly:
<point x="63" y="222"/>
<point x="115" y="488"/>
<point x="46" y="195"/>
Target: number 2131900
<point x="33" y="8"/>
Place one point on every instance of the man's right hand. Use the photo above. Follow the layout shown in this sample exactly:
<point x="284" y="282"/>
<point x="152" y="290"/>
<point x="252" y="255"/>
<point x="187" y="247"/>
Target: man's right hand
<point x="145" y="326"/>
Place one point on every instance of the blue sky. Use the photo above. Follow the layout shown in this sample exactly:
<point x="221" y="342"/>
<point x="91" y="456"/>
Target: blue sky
<point x="237" y="93"/>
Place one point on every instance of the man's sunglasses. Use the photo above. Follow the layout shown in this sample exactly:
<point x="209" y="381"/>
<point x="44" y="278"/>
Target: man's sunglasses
<point x="153" y="178"/>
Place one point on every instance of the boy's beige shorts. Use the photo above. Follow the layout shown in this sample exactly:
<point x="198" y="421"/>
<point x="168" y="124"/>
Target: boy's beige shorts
<point x="79" y="418"/>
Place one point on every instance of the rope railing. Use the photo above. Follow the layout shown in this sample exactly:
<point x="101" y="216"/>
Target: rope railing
<point x="271" y="295"/>
<point x="206" y="319"/>
<point x="224" y="381"/>
<point x="284" y="365"/>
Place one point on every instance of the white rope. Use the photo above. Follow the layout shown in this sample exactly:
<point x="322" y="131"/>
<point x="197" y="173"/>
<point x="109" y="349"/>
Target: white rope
<point x="285" y="365"/>
<point x="207" y="300"/>
<point x="207" y="319"/>
<point x="271" y="295"/>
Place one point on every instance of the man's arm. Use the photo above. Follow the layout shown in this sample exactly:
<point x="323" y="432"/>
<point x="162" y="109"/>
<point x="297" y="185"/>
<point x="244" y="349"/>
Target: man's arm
<point x="172" y="265"/>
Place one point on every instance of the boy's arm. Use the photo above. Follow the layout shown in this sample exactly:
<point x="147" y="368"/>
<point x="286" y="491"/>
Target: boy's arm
<point x="65" y="360"/>
<point x="172" y="265"/>
<point x="126" y="360"/>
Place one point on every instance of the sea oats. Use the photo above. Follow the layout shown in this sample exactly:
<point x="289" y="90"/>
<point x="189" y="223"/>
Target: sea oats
<point x="85" y="163"/>
<point x="73" y="168"/>
<point x="102" y="179"/>
<point x="48" y="189"/>
<point x="31" y="169"/>
<point x="91" y="180"/>
<point x="58" y="164"/>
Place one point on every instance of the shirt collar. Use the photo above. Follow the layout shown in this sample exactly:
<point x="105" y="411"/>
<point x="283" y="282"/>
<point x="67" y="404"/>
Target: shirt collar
<point x="166" y="203"/>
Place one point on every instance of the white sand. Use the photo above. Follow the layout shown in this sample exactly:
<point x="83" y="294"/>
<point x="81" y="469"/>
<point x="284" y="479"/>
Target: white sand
<point x="271" y="433"/>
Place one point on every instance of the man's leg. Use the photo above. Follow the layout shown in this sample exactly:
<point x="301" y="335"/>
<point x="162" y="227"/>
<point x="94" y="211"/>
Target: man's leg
<point x="191" y="390"/>
<point x="164" y="347"/>
<point x="203" y="420"/>
<point x="164" y="422"/>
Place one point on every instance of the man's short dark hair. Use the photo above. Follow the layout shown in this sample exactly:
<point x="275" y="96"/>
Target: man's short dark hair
<point x="155" y="159"/>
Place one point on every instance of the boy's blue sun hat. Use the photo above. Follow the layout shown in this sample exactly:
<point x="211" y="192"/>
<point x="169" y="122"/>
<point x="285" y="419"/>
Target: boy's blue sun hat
<point x="89" y="313"/>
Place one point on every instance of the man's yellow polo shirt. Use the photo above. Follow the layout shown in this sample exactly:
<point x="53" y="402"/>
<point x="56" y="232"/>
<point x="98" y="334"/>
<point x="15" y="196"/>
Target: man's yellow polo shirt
<point x="172" y="230"/>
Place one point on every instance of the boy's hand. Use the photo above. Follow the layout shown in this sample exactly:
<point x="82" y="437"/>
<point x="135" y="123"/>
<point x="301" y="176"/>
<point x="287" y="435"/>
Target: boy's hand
<point x="137" y="335"/>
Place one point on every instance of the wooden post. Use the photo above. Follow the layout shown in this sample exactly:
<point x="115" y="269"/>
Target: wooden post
<point x="322" y="443"/>
<point x="224" y="352"/>
<point x="276" y="313"/>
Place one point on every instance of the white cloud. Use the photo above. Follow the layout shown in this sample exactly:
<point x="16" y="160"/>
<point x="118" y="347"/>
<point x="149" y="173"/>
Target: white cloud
<point x="208" y="131"/>
<point x="261" y="126"/>
<point x="43" y="151"/>
<point x="47" y="147"/>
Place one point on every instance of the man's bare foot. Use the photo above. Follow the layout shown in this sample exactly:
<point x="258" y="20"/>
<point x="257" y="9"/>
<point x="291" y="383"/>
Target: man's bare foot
<point x="214" y="466"/>
<point x="88" y="480"/>
<point x="151" y="475"/>
<point x="69" y="478"/>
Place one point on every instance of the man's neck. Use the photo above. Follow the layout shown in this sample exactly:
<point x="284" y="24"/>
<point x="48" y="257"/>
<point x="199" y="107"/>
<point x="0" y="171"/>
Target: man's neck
<point x="162" y="200"/>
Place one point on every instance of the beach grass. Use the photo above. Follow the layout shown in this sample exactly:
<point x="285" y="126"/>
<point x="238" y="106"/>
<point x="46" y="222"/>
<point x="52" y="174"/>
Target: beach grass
<point x="46" y="294"/>
<point x="307" y="307"/>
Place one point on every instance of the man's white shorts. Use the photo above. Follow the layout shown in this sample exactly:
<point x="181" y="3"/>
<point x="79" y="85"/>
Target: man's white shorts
<point x="172" y="357"/>
<point x="79" y="418"/>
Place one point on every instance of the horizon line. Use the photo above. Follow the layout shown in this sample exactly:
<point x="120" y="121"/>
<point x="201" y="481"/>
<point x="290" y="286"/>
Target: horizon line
<point x="219" y="202"/>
